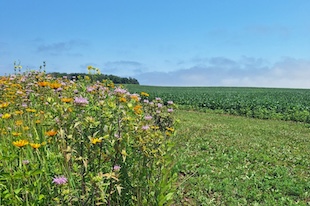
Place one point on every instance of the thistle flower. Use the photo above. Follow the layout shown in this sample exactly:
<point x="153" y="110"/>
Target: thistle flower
<point x="170" y="102"/>
<point x="60" y="180"/>
<point x="170" y="110"/>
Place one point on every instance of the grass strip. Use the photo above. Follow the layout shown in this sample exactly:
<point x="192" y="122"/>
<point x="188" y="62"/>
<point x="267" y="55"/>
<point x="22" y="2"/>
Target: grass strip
<point x="232" y="160"/>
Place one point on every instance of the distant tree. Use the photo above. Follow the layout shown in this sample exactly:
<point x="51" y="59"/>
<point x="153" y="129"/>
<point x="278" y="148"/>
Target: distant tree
<point x="97" y="77"/>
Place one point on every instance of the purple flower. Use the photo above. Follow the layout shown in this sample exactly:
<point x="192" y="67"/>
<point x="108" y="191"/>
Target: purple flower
<point x="116" y="167"/>
<point x="159" y="105"/>
<point x="170" y="102"/>
<point x="60" y="180"/>
<point x="157" y="98"/>
<point x="146" y="127"/>
<point x="146" y="101"/>
<point x="80" y="101"/>
<point x="90" y="89"/>
<point x="148" y="117"/>
<point x="170" y="110"/>
<point x="120" y="91"/>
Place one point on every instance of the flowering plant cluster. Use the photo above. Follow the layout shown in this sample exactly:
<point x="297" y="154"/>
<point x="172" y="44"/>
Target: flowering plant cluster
<point x="73" y="142"/>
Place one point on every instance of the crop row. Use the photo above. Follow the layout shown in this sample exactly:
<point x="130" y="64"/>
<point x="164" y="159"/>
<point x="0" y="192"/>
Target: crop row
<point x="263" y="103"/>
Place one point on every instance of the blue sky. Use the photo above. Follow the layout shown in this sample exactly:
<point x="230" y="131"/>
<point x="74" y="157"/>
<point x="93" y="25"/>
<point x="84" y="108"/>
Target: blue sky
<point x="259" y="43"/>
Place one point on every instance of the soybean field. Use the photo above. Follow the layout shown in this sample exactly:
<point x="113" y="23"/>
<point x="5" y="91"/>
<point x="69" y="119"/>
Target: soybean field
<point x="262" y="103"/>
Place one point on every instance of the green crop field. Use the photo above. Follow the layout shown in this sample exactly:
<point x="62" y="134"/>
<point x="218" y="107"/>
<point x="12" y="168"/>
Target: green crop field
<point x="263" y="103"/>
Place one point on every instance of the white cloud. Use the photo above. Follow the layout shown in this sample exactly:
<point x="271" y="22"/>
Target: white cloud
<point x="249" y="72"/>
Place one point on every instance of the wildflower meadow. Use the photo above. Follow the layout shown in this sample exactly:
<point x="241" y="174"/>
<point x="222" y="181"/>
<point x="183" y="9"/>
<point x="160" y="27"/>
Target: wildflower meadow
<point x="77" y="142"/>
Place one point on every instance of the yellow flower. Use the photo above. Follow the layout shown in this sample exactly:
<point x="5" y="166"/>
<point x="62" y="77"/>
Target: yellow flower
<point x="95" y="140"/>
<point x="25" y="128"/>
<point x="169" y="129"/>
<point x="55" y="85"/>
<point x="6" y="116"/>
<point x="122" y="99"/>
<point x="144" y="94"/>
<point x="20" y="143"/>
<point x="135" y="97"/>
<point x="31" y="110"/>
<point x="35" y="145"/>
<point x="19" y="112"/>
<point x="90" y="67"/>
<point x="137" y="109"/>
<point x="66" y="100"/>
<point x="51" y="133"/>
<point x="4" y="105"/>
<point x="18" y="122"/>
<point x="16" y="134"/>
<point x="43" y="84"/>
<point x="155" y="127"/>
<point x="38" y="121"/>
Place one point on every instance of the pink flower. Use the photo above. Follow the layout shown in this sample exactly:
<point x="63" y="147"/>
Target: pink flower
<point x="146" y="127"/>
<point x="116" y="167"/>
<point x="80" y="101"/>
<point x="60" y="180"/>
<point x="148" y="117"/>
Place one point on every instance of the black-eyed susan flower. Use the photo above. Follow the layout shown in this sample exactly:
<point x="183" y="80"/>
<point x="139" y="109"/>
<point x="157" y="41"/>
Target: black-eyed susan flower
<point x="35" y="145"/>
<point x="67" y="100"/>
<point x="43" y="84"/>
<point x="20" y="143"/>
<point x="18" y="122"/>
<point x="6" y="116"/>
<point x="51" y="133"/>
<point x="144" y="94"/>
<point x="31" y="110"/>
<point x="137" y="109"/>
<point x="55" y="85"/>
<point x="122" y="99"/>
<point x="4" y="105"/>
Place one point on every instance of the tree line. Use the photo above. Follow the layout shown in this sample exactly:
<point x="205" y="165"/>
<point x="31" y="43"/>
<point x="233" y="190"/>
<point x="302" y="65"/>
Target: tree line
<point x="97" y="77"/>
